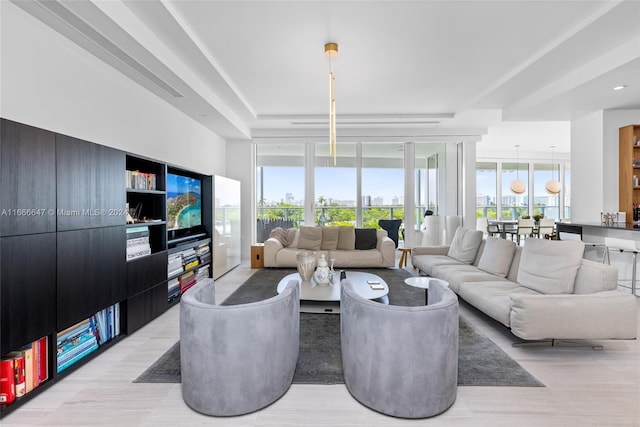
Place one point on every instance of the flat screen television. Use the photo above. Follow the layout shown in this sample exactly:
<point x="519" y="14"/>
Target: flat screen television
<point x="184" y="212"/>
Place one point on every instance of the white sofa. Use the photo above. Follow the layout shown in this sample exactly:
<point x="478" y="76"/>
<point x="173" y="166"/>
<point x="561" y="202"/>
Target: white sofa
<point x="337" y="243"/>
<point x="544" y="290"/>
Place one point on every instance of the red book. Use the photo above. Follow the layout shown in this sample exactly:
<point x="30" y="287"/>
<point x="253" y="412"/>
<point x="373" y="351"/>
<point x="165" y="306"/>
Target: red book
<point x="19" y="372"/>
<point x="7" y="382"/>
<point x="42" y="360"/>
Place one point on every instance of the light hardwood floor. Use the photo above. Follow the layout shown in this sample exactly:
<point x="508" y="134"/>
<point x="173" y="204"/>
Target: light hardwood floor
<point x="583" y="388"/>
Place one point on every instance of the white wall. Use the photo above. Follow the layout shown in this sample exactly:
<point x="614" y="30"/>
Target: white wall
<point x="49" y="82"/>
<point x="587" y="187"/>
<point x="594" y="162"/>
<point x="241" y="166"/>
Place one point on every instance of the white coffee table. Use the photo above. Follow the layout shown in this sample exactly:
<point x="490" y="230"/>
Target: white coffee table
<point x="310" y="291"/>
<point x="423" y="283"/>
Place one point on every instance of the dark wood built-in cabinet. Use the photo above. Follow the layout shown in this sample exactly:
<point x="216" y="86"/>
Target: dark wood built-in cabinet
<point x="64" y="239"/>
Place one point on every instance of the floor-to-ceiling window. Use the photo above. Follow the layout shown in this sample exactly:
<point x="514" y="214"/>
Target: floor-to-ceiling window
<point x="382" y="183"/>
<point x="545" y="203"/>
<point x="496" y="177"/>
<point x="336" y="186"/>
<point x="366" y="184"/>
<point x="280" y="187"/>
<point x="486" y="189"/>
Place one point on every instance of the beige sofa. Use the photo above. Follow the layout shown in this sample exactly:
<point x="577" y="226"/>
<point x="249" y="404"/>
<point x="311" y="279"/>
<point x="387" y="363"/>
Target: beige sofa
<point x="350" y="247"/>
<point x="544" y="290"/>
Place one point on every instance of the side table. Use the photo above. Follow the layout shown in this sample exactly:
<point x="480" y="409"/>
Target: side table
<point x="257" y="255"/>
<point x="404" y="255"/>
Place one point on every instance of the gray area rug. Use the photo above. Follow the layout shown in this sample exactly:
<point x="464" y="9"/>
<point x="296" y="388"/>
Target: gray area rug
<point x="480" y="361"/>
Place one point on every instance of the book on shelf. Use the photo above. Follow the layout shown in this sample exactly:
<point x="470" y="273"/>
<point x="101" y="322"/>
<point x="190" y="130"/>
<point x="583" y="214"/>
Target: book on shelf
<point x="107" y="323"/>
<point x="137" y="232"/>
<point x="75" y="342"/>
<point x="173" y="289"/>
<point x="206" y="258"/>
<point x="202" y="249"/>
<point x="137" y="180"/>
<point x="192" y="264"/>
<point x="30" y="372"/>
<point x="12" y="377"/>
<point x="7" y="381"/>
<point x="23" y="370"/>
<point x="137" y="241"/>
<point x="187" y="280"/>
<point x="138" y="251"/>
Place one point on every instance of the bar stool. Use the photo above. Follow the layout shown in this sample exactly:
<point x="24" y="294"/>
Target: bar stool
<point x="623" y="245"/>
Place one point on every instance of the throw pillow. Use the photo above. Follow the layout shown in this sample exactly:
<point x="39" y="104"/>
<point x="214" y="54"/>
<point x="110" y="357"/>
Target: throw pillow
<point x="465" y="244"/>
<point x="281" y="235"/>
<point x="346" y="238"/>
<point x="366" y="238"/>
<point x="329" y="238"/>
<point x="497" y="256"/>
<point x="550" y="266"/>
<point x="310" y="238"/>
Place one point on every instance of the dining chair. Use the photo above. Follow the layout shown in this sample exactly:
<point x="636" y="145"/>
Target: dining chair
<point x="523" y="229"/>
<point x="546" y="228"/>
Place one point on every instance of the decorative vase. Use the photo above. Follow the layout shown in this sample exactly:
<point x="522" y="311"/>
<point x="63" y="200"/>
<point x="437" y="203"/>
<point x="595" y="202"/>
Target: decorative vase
<point x="306" y="263"/>
<point x="321" y="275"/>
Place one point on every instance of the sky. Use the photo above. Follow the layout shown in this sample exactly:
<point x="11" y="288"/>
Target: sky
<point x="335" y="183"/>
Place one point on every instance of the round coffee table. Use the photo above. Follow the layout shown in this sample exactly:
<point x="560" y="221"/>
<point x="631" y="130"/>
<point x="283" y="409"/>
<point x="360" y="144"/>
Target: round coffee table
<point x="423" y="283"/>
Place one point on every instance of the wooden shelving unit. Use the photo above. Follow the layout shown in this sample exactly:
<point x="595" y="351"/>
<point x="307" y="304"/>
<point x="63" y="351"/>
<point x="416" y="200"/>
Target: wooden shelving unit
<point x="629" y="166"/>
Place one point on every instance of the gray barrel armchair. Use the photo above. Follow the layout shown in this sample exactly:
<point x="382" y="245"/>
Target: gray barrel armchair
<point x="401" y="361"/>
<point x="237" y="359"/>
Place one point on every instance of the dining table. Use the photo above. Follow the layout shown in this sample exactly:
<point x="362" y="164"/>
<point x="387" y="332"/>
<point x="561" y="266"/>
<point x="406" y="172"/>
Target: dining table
<point x="504" y="225"/>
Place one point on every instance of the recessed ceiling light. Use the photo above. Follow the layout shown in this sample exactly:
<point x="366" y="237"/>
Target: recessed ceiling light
<point x="619" y="87"/>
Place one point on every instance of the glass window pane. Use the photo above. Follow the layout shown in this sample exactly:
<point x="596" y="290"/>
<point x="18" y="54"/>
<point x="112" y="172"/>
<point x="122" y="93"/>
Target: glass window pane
<point x="382" y="183"/>
<point x="486" y="189"/>
<point x="428" y="179"/>
<point x="514" y="205"/>
<point x="279" y="187"/>
<point x="545" y="203"/>
<point x="336" y="186"/>
<point x="567" y="191"/>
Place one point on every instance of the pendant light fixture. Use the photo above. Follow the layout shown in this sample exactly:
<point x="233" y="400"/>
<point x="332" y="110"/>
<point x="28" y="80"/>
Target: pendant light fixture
<point x="331" y="50"/>
<point x="517" y="186"/>
<point x="552" y="186"/>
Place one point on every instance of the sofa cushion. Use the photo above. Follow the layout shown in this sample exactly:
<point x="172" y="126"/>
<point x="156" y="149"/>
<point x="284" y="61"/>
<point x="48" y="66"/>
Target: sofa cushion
<point x="366" y="238"/>
<point x="458" y="275"/>
<point x="465" y="244"/>
<point x="284" y="236"/>
<point x="550" y="266"/>
<point x="346" y="238"/>
<point x="426" y="263"/>
<point x="310" y="238"/>
<point x="329" y="238"/>
<point x="497" y="256"/>
<point x="494" y="298"/>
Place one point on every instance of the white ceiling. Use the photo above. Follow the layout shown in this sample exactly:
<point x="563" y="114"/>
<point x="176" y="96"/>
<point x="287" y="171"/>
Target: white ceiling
<point x="406" y="70"/>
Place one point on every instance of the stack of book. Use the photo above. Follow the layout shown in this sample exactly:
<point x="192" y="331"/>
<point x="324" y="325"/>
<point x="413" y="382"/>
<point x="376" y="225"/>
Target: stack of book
<point x="137" y="242"/>
<point x="140" y="181"/>
<point x="187" y="280"/>
<point x="203" y="273"/>
<point x="76" y="342"/>
<point x="23" y="370"/>
<point x="189" y="259"/>
<point x="174" y="266"/>
<point x="204" y="253"/>
<point x="173" y="289"/>
<point x="107" y="322"/>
